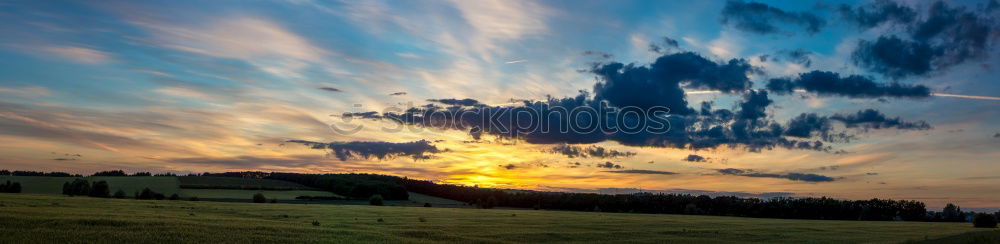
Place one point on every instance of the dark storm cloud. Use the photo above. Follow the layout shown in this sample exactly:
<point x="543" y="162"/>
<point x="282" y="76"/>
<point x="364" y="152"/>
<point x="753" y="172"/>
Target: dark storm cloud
<point x="660" y="83"/>
<point x="609" y="165"/>
<point x="695" y="158"/>
<point x="330" y="89"/>
<point x="873" y="119"/>
<point x="876" y="13"/>
<point x="854" y="86"/>
<point x="397" y="93"/>
<point x="808" y="125"/>
<point x="788" y="176"/>
<point x="374" y="150"/>
<point x="364" y="115"/>
<point x="754" y="105"/>
<point x="798" y="56"/>
<point x="763" y="19"/>
<point x="641" y="171"/>
<point x="456" y="102"/>
<point x="895" y="57"/>
<point x="665" y="44"/>
<point x="997" y="135"/>
<point x="601" y="55"/>
<point x="942" y="37"/>
<point x="651" y="89"/>
<point x="589" y="152"/>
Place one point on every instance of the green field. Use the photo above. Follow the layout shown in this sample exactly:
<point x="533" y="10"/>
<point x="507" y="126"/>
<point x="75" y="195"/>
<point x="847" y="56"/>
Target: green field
<point x="237" y="183"/>
<point x="51" y="218"/>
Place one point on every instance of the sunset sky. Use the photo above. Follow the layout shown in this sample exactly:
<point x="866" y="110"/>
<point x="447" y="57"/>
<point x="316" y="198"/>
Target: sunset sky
<point x="852" y="99"/>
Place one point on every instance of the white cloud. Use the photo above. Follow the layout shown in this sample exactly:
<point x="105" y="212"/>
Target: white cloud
<point x="79" y="54"/>
<point x="260" y="42"/>
<point x="26" y="91"/>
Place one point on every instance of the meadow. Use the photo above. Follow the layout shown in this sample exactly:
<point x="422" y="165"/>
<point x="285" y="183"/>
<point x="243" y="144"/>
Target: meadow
<point x="54" y="218"/>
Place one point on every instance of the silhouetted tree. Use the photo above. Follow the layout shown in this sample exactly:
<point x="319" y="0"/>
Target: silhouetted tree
<point x="149" y="194"/>
<point x="259" y="198"/>
<point x="78" y="187"/>
<point x="10" y="187"/>
<point x="100" y="189"/>
<point x="376" y="200"/>
<point x="952" y="213"/>
<point x="174" y="197"/>
<point x="984" y="220"/>
<point x="110" y="173"/>
<point x="119" y="194"/>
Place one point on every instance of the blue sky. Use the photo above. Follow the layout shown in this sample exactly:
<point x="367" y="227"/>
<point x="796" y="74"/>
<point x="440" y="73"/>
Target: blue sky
<point x="192" y="86"/>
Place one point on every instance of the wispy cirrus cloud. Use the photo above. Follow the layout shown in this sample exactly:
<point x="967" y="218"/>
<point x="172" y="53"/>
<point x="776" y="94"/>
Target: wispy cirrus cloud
<point x="258" y="41"/>
<point x="79" y="54"/>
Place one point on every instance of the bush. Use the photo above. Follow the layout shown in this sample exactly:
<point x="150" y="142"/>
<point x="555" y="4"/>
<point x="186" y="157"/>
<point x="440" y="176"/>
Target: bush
<point x="427" y="204"/>
<point x="982" y="220"/>
<point x="174" y="197"/>
<point x="315" y="223"/>
<point x="100" y="189"/>
<point x="194" y="199"/>
<point x="376" y="200"/>
<point x="10" y="187"/>
<point x="259" y="198"/>
<point x="274" y="200"/>
<point x="148" y="194"/>
<point x="119" y="194"/>
<point x="79" y="187"/>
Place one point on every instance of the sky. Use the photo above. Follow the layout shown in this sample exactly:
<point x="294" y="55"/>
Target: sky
<point x="845" y="99"/>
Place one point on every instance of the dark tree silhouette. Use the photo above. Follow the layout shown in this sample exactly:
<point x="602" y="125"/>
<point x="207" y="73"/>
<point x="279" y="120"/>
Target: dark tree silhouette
<point x="10" y="187"/>
<point x="100" y="189"/>
<point x="983" y="220"/>
<point x="376" y="200"/>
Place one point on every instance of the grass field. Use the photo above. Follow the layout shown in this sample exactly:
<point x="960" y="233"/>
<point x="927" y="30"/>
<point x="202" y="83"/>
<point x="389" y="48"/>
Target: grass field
<point x="248" y="194"/>
<point x="237" y="183"/>
<point x="50" y="218"/>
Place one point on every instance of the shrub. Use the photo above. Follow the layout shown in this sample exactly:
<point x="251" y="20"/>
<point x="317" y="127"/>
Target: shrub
<point x="274" y="200"/>
<point x="315" y="223"/>
<point x="259" y="198"/>
<point x="119" y="194"/>
<point x="79" y="187"/>
<point x="376" y="200"/>
<point x="194" y="199"/>
<point x="982" y="220"/>
<point x="148" y="194"/>
<point x="427" y="204"/>
<point x="10" y="187"/>
<point x="422" y="219"/>
<point x="100" y="189"/>
<point x="175" y="197"/>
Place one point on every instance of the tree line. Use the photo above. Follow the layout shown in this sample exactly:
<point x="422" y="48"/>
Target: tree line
<point x="356" y="186"/>
<point x="64" y="174"/>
